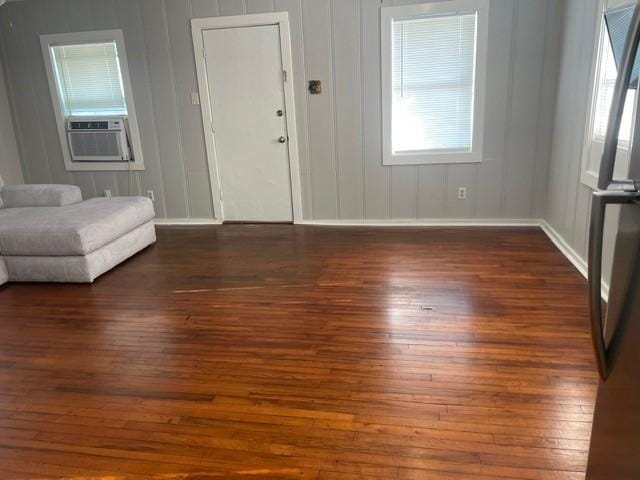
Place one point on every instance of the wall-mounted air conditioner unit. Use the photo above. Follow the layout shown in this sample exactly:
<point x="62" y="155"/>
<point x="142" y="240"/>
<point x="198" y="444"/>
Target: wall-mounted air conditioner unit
<point x="98" y="140"/>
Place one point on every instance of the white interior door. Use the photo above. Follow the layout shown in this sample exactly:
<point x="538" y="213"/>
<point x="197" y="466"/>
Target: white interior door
<point x="245" y="81"/>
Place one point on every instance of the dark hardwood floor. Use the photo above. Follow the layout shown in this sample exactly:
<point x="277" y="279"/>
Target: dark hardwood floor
<point x="281" y="351"/>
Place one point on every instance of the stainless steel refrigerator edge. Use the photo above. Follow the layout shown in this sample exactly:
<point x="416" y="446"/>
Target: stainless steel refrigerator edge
<point x="615" y="438"/>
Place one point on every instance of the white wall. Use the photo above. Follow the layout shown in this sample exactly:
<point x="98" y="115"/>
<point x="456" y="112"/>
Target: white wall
<point x="10" y="169"/>
<point x="336" y="41"/>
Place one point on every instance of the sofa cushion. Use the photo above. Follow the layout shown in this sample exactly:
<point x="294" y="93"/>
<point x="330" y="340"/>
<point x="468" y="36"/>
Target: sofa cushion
<point x="71" y="230"/>
<point x="81" y="268"/>
<point x="4" y="275"/>
<point x="17" y="196"/>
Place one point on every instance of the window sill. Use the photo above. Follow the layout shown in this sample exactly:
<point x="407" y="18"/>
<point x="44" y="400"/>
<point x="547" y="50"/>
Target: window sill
<point x="589" y="179"/>
<point x="431" y="159"/>
<point x="103" y="166"/>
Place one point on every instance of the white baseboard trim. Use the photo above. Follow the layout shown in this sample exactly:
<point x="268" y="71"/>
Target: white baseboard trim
<point x="473" y="222"/>
<point x="574" y="257"/>
<point x="186" y="221"/>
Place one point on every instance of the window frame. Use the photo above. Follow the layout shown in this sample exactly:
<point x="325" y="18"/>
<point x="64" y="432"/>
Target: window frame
<point x="434" y="8"/>
<point x="77" y="38"/>
<point x="592" y="148"/>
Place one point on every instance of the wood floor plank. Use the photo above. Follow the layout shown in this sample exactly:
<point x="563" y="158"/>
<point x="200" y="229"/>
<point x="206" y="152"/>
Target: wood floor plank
<point x="281" y="351"/>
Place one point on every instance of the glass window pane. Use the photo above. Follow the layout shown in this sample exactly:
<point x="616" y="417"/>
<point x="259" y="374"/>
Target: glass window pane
<point x="89" y="80"/>
<point x="606" y="84"/>
<point x="433" y="67"/>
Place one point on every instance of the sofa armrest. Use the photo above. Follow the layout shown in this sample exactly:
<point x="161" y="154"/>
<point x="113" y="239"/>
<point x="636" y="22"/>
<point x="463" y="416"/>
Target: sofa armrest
<point x="14" y="196"/>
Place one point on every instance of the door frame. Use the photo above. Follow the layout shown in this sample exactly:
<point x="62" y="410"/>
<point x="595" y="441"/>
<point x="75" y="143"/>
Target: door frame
<point x="198" y="27"/>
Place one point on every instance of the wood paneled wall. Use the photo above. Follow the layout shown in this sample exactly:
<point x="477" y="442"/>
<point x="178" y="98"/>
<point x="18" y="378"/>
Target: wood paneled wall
<point x="10" y="169"/>
<point x="569" y="200"/>
<point x="336" y="41"/>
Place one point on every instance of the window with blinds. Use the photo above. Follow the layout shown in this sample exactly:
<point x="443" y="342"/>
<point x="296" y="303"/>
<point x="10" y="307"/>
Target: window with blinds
<point x="433" y="60"/>
<point x="434" y="68"/>
<point x="606" y="82"/>
<point x="89" y="79"/>
<point x="604" y="72"/>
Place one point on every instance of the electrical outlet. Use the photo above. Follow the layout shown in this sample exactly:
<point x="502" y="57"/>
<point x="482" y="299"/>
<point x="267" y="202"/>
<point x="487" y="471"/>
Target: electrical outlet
<point x="107" y="193"/>
<point x="462" y="193"/>
<point x="195" y="98"/>
<point x="151" y="195"/>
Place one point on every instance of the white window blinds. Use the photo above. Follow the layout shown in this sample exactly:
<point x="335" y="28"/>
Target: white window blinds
<point x="89" y="80"/>
<point x="608" y="73"/>
<point x="433" y="64"/>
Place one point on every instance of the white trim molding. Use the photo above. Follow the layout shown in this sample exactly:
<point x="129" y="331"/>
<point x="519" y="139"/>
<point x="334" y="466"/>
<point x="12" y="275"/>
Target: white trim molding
<point x="198" y="27"/>
<point x="186" y="221"/>
<point x="566" y="249"/>
<point x="569" y="252"/>
<point x="518" y="222"/>
<point x="592" y="149"/>
<point x="428" y="9"/>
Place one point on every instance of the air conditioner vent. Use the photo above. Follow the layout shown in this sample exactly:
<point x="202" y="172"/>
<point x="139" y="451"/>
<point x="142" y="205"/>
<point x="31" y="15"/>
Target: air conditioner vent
<point x="100" y="140"/>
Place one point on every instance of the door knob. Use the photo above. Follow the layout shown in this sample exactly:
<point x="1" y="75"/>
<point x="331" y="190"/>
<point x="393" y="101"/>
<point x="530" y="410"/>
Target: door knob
<point x="280" y="113"/>
<point x="282" y="140"/>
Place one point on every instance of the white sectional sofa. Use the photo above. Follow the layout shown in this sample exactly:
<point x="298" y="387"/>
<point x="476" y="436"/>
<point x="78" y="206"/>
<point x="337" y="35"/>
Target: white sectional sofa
<point x="48" y="234"/>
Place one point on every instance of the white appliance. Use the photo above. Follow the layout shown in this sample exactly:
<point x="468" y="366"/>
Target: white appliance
<point x="98" y="140"/>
